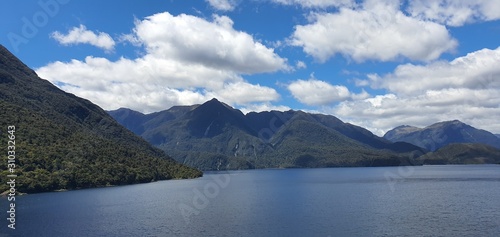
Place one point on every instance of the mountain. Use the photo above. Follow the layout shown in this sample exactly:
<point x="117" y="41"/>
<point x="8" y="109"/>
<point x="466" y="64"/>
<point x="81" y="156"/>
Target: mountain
<point x="215" y="136"/>
<point x="498" y="135"/>
<point x="66" y="142"/>
<point x="138" y="122"/>
<point x="463" y="153"/>
<point x="441" y="134"/>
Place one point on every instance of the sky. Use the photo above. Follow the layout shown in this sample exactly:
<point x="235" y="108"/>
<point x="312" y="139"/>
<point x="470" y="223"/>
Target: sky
<point x="374" y="63"/>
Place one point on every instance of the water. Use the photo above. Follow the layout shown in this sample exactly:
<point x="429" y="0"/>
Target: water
<point x="387" y="201"/>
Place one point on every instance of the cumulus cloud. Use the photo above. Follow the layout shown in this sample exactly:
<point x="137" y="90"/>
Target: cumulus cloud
<point x="476" y="70"/>
<point x="317" y="92"/>
<point x="222" y="5"/>
<point x="212" y="43"/>
<point x="80" y="35"/>
<point x="455" y="12"/>
<point x="375" y="31"/>
<point x="244" y="93"/>
<point x="187" y="60"/>
<point x="465" y="88"/>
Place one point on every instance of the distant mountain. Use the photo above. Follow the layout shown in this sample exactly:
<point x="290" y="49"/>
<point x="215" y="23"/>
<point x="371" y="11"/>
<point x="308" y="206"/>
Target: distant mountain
<point x="463" y="153"/>
<point x="66" y="142"/>
<point x="498" y="135"/>
<point x="215" y="136"/>
<point x="400" y="131"/>
<point x="441" y="134"/>
<point x="138" y="122"/>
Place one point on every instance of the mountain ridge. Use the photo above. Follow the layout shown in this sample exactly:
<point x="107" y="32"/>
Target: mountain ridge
<point x="214" y="135"/>
<point x="440" y="134"/>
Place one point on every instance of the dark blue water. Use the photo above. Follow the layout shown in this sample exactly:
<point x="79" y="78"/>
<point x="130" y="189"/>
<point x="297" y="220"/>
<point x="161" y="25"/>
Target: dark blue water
<point x="389" y="201"/>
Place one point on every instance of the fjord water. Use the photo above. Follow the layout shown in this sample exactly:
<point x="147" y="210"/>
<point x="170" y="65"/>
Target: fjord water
<point x="388" y="201"/>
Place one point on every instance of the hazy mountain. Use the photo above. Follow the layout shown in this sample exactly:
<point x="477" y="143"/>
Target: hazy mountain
<point x="441" y="134"/>
<point x="138" y="122"/>
<point x="215" y="136"/>
<point x="66" y="142"/>
<point x="463" y="153"/>
<point x="400" y="131"/>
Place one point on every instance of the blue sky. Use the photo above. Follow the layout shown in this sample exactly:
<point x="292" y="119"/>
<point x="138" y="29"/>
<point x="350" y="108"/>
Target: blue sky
<point x="377" y="64"/>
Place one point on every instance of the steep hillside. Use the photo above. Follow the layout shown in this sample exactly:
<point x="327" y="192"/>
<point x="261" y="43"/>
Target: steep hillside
<point x="441" y="134"/>
<point x="66" y="142"/>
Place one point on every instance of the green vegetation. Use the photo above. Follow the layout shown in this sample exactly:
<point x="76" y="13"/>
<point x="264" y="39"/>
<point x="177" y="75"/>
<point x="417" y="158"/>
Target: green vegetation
<point x="65" y="142"/>
<point x="463" y="153"/>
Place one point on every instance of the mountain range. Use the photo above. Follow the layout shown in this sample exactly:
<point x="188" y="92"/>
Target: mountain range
<point x="440" y="134"/>
<point x="215" y="136"/>
<point x="66" y="142"/>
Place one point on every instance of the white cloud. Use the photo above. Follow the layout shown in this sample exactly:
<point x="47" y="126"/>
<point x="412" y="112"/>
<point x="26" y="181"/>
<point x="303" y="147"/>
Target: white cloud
<point x="465" y="88"/>
<point x="317" y="92"/>
<point x="317" y="3"/>
<point x="188" y="60"/>
<point x="244" y="93"/>
<point x="455" y="12"/>
<point x="376" y="31"/>
<point x="476" y="70"/>
<point x="80" y="35"/>
<point x="214" y="44"/>
<point x="222" y="5"/>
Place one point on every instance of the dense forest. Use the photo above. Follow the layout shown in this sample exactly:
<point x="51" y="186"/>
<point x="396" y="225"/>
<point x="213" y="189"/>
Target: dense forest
<point x="66" y="142"/>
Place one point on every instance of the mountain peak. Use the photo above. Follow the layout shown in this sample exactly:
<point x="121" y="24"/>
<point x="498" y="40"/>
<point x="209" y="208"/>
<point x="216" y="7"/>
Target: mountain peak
<point x="216" y="102"/>
<point x="213" y="116"/>
<point x="455" y="122"/>
<point x="213" y="100"/>
<point x="397" y="131"/>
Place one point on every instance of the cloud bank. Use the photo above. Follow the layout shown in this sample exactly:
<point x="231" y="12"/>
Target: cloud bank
<point x="466" y="88"/>
<point x="187" y="60"/>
